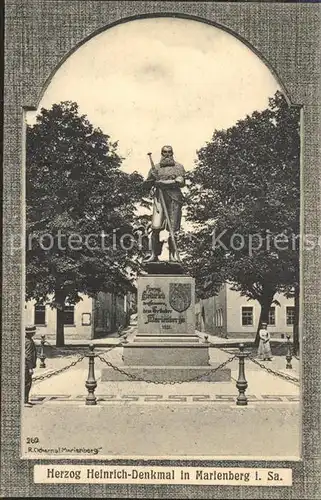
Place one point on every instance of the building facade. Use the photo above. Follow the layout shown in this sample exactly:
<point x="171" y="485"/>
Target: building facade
<point x="88" y="319"/>
<point x="231" y="315"/>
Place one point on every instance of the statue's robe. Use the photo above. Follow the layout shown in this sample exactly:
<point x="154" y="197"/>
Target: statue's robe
<point x="173" y="196"/>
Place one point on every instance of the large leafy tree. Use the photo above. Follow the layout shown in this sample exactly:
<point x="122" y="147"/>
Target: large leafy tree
<point x="80" y="205"/>
<point x="244" y="203"/>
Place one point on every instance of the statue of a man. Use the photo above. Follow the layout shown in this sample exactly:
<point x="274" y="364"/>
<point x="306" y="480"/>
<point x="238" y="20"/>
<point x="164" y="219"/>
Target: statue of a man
<point x="167" y="176"/>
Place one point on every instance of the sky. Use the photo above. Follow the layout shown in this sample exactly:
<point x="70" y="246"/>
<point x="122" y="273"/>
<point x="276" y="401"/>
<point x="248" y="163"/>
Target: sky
<point x="151" y="82"/>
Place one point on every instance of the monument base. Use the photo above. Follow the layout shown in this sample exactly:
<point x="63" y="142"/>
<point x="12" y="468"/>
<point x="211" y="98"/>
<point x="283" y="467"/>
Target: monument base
<point x="166" y="348"/>
<point x="169" y="374"/>
<point x="159" y="361"/>
<point x="184" y="354"/>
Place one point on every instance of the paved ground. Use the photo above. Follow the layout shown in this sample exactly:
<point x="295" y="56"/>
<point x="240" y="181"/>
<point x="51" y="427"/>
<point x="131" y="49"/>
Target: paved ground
<point x="168" y="430"/>
<point x="154" y="420"/>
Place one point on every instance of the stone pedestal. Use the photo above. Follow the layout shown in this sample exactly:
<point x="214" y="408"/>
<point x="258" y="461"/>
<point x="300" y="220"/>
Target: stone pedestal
<point x="157" y="353"/>
<point x="165" y="347"/>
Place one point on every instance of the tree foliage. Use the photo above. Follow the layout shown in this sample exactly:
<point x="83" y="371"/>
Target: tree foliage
<point x="76" y="190"/>
<point x="246" y="188"/>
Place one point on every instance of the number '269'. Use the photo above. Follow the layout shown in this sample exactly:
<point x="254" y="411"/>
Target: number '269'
<point x="32" y="440"/>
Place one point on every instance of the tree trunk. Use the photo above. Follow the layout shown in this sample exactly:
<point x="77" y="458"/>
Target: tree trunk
<point x="265" y="303"/>
<point x="296" y="340"/>
<point x="113" y="312"/>
<point x="60" y="337"/>
<point x="60" y="299"/>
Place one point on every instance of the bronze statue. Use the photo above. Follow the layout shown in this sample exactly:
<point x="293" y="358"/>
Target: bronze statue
<point x="166" y="179"/>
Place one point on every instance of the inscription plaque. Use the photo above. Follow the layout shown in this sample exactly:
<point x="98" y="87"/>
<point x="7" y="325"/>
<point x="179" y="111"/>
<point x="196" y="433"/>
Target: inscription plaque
<point x="166" y="305"/>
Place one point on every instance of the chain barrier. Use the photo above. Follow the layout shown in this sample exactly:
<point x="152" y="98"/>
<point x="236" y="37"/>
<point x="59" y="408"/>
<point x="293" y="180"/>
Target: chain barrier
<point x="133" y="377"/>
<point x="250" y="356"/>
<point x="61" y="370"/>
<point x="168" y="382"/>
<point x="289" y="378"/>
<point x="275" y="348"/>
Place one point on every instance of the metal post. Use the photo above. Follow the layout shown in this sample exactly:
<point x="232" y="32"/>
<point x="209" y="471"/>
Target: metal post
<point x="91" y="383"/>
<point x="241" y="383"/>
<point x="42" y="356"/>
<point x="288" y="356"/>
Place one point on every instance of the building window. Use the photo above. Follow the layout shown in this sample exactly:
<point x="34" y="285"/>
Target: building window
<point x="271" y="319"/>
<point x="86" y="319"/>
<point x="69" y="315"/>
<point x="247" y="316"/>
<point x="40" y="314"/>
<point x="290" y="315"/>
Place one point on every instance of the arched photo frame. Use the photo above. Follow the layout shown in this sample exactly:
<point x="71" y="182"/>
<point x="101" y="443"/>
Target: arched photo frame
<point x="39" y="36"/>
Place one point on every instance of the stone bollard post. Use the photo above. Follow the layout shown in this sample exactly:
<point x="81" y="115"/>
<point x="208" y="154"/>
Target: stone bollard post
<point x="42" y="356"/>
<point x="91" y="383"/>
<point x="288" y="356"/>
<point x="241" y="383"/>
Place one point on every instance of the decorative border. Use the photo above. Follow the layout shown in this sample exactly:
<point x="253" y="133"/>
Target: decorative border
<point x="39" y="36"/>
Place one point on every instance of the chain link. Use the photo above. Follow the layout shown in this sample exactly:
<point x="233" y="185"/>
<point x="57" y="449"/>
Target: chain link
<point x="275" y="348"/>
<point x="166" y="382"/>
<point x="81" y="356"/>
<point x="61" y="370"/>
<point x="289" y="378"/>
<point x="250" y="356"/>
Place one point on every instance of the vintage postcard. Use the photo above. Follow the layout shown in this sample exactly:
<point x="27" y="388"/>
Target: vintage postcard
<point x="162" y="240"/>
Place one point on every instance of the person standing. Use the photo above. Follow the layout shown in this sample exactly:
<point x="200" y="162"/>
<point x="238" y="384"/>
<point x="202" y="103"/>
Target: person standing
<point x="264" y="351"/>
<point x="169" y="176"/>
<point x="30" y="361"/>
